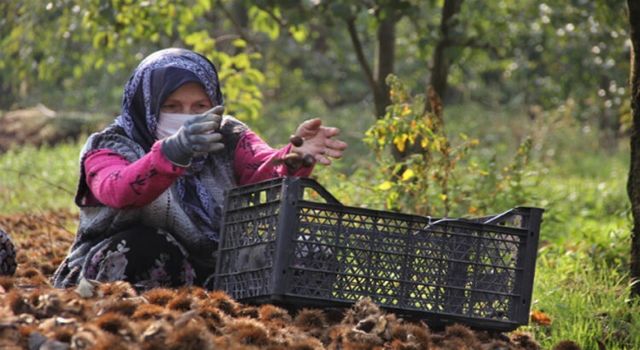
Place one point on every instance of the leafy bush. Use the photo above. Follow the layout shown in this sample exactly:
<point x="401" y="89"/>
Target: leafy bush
<point x="425" y="171"/>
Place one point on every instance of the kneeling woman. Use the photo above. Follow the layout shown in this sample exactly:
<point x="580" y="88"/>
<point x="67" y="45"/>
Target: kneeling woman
<point x="151" y="184"/>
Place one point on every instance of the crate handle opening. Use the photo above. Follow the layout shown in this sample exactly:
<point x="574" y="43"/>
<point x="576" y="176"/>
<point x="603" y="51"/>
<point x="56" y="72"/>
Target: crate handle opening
<point x="311" y="186"/>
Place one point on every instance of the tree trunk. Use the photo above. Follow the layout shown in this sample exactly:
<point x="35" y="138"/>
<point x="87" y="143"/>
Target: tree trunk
<point x="385" y="55"/>
<point x="633" y="183"/>
<point x="441" y="62"/>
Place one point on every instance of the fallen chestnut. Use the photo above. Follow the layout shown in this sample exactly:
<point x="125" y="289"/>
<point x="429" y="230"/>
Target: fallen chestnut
<point x="296" y="140"/>
<point x="308" y="160"/>
<point x="292" y="160"/>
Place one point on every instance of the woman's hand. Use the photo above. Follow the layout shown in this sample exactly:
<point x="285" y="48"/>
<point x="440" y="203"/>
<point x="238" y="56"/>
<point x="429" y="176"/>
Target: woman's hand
<point x="318" y="141"/>
<point x="197" y="136"/>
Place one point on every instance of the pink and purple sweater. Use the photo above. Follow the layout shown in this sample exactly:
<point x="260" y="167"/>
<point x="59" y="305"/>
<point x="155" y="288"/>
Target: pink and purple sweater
<point x="110" y="176"/>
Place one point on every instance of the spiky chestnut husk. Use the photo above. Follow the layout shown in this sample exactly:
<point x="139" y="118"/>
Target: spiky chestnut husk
<point x="567" y="345"/>
<point x="270" y="312"/>
<point x="159" y="296"/>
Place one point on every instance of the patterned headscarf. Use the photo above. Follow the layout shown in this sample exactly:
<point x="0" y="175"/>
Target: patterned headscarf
<point x="155" y="78"/>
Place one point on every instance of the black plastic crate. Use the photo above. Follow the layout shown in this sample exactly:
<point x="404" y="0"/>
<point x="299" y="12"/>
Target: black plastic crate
<point x="278" y="246"/>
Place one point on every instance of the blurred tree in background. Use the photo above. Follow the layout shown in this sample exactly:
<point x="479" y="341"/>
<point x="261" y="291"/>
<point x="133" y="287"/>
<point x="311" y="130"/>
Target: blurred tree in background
<point x="78" y="54"/>
<point x="322" y="55"/>
<point x="281" y="61"/>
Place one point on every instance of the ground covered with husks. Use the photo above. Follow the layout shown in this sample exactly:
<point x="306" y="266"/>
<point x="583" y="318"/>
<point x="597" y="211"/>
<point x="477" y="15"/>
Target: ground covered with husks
<point x="34" y="315"/>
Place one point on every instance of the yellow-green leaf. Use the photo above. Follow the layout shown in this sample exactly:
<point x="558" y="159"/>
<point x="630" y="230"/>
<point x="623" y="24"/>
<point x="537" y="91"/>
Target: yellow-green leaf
<point x="400" y="141"/>
<point x="299" y="33"/>
<point x="385" y="186"/>
<point x="239" y="43"/>
<point x="408" y="174"/>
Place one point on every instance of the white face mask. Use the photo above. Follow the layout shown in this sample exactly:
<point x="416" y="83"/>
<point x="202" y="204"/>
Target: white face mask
<point x="170" y="123"/>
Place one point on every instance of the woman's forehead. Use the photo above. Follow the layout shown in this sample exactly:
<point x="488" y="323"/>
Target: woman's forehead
<point x="191" y="91"/>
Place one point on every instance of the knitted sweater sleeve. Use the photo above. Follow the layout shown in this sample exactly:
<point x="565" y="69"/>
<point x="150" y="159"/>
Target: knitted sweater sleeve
<point x="119" y="183"/>
<point x="254" y="161"/>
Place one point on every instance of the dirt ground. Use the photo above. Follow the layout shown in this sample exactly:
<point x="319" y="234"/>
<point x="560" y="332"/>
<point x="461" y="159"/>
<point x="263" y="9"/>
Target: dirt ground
<point x="33" y="315"/>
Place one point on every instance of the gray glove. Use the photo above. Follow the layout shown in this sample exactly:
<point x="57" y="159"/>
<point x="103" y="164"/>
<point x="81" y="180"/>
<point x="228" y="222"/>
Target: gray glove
<point x="197" y="136"/>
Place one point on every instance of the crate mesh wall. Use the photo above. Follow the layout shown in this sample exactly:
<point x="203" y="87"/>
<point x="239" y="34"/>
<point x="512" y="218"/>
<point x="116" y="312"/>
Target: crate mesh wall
<point x="247" y="253"/>
<point x="447" y="268"/>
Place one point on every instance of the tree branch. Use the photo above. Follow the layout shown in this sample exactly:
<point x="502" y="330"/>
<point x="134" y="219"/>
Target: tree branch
<point x="281" y="21"/>
<point x="441" y="63"/>
<point x="357" y="46"/>
<point x="385" y="60"/>
<point x="238" y="27"/>
<point x="227" y="37"/>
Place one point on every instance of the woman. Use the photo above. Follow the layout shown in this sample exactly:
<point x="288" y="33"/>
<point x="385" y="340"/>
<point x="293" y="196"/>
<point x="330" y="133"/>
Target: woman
<point x="151" y="184"/>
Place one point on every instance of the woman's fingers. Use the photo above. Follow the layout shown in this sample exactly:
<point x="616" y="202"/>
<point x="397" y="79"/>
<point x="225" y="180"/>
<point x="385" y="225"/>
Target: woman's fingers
<point x="208" y="147"/>
<point x="207" y="142"/>
<point x="333" y="153"/>
<point x="322" y="159"/>
<point x="336" y="144"/>
<point x="214" y="147"/>
<point x="217" y="110"/>
<point x="203" y="124"/>
<point x="309" y="128"/>
<point x="318" y="141"/>
<point x="203" y="127"/>
<point x="330" y="131"/>
<point x="324" y="147"/>
<point x="206" y="138"/>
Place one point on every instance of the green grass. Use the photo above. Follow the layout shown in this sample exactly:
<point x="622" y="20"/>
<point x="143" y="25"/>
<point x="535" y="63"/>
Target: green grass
<point x="38" y="179"/>
<point x="582" y="270"/>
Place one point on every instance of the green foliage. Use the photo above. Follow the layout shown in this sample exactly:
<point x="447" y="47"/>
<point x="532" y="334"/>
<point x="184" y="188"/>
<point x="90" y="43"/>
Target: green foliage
<point x="570" y="51"/>
<point x="262" y="22"/>
<point x="433" y="174"/>
<point x="240" y="79"/>
<point x="98" y="44"/>
<point x="77" y="54"/>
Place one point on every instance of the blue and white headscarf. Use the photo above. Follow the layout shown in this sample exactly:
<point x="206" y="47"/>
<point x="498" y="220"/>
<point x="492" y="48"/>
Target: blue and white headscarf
<point x="155" y="78"/>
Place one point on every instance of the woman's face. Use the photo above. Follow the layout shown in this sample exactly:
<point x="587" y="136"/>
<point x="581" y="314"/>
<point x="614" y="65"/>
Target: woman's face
<point x="190" y="98"/>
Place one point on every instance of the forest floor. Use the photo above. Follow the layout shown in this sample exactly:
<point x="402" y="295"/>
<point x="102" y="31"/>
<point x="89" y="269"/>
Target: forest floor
<point x="35" y="315"/>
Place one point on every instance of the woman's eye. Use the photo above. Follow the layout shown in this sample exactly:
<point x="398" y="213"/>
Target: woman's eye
<point x="168" y="108"/>
<point x="202" y="108"/>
